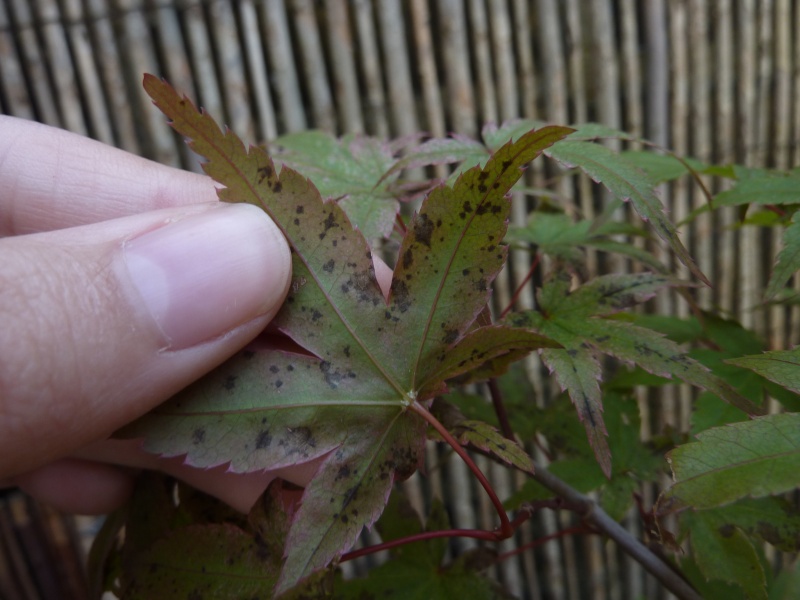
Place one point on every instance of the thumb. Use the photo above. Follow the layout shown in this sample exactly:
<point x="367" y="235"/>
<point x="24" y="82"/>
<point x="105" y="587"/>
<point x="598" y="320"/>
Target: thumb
<point x="105" y="321"/>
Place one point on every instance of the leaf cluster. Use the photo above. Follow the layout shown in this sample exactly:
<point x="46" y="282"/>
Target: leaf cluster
<point x="360" y="376"/>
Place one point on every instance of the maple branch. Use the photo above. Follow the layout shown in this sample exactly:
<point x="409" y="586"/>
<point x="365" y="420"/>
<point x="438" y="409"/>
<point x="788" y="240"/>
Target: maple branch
<point x="593" y="514"/>
<point x="521" y="286"/>
<point x="505" y="530"/>
<point x="575" y="530"/>
<point x="500" y="409"/>
<point x="478" y="534"/>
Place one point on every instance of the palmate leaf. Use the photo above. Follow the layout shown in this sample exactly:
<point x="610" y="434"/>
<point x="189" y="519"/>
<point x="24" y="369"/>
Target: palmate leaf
<point x="787" y="262"/>
<point x="574" y="319"/>
<point x="351" y="170"/>
<point x="780" y="366"/>
<point x="557" y="235"/>
<point x="725" y="553"/>
<point x="367" y="359"/>
<point x="626" y="182"/>
<point x="753" y="459"/>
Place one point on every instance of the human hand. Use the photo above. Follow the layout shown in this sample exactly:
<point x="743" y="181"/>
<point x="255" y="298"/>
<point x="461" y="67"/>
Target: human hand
<point x="121" y="282"/>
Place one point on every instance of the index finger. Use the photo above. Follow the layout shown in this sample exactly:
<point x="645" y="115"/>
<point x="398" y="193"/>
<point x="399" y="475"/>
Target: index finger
<point x="52" y="179"/>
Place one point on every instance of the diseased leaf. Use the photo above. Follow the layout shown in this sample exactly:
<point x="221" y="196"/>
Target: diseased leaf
<point x="216" y="561"/>
<point x="780" y="366"/>
<point x="365" y="359"/>
<point x="481" y="435"/>
<point x="788" y="261"/>
<point x="351" y="170"/>
<point x="578" y="372"/>
<point x="626" y="182"/>
<point x="726" y="554"/>
<point x="756" y="458"/>
<point x="772" y="519"/>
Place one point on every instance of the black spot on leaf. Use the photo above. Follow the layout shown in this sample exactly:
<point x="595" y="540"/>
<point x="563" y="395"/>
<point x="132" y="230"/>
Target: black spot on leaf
<point x="199" y="436"/>
<point x="408" y="258"/>
<point x="273" y="369"/>
<point x="400" y="295"/>
<point x="263" y="439"/>
<point x="450" y="336"/>
<point x="264" y="173"/>
<point x="230" y="382"/>
<point x="343" y="473"/>
<point x="423" y="228"/>
<point x="328" y="266"/>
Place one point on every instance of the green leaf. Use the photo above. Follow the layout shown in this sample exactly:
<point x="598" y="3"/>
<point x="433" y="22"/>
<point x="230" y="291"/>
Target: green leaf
<point x="443" y="151"/>
<point x="788" y="259"/>
<point x="350" y="170"/>
<point x="780" y="366"/>
<point x="757" y="458"/>
<point x="626" y="182"/>
<point x="725" y="553"/>
<point x="494" y="137"/>
<point x="557" y="235"/>
<point x="364" y="360"/>
<point x="661" y="168"/>
<point x="203" y="561"/>
<point x="771" y="519"/>
<point x="787" y="584"/>
<point x="572" y="319"/>
<point x="761" y="188"/>
<point x="597" y="131"/>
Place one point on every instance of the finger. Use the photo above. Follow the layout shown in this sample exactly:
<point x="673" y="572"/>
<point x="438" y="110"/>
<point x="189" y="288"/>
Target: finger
<point x="235" y="489"/>
<point x="53" y="179"/>
<point x="103" y="322"/>
<point x="79" y="486"/>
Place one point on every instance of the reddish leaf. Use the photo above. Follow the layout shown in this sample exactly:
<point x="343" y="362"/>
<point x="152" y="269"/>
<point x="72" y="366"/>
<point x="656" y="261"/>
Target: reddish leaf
<point x="367" y="360"/>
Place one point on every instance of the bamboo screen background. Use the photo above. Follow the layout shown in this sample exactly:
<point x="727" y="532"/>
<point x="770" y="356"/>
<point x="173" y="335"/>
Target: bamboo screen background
<point x="714" y="79"/>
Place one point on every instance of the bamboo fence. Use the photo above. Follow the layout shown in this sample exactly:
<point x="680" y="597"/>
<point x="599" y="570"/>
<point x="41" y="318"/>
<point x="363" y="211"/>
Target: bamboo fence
<point x="713" y="79"/>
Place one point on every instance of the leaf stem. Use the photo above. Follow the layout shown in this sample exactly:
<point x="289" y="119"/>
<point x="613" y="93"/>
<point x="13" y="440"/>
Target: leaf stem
<point x="505" y="530"/>
<point x="478" y="534"/>
<point x="575" y="530"/>
<point x="500" y="409"/>
<point x="521" y="286"/>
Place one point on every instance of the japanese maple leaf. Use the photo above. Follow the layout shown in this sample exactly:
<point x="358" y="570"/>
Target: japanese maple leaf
<point x="370" y="364"/>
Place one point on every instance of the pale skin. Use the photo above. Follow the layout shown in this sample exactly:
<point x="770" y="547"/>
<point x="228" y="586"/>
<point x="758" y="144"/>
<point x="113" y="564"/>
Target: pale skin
<point x="112" y="299"/>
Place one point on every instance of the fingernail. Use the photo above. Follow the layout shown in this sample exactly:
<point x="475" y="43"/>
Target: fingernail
<point x="206" y="274"/>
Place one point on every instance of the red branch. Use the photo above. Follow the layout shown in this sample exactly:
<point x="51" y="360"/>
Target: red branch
<point x="520" y="287"/>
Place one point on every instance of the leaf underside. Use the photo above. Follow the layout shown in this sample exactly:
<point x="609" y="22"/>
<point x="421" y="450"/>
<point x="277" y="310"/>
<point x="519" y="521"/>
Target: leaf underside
<point x="367" y="357"/>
